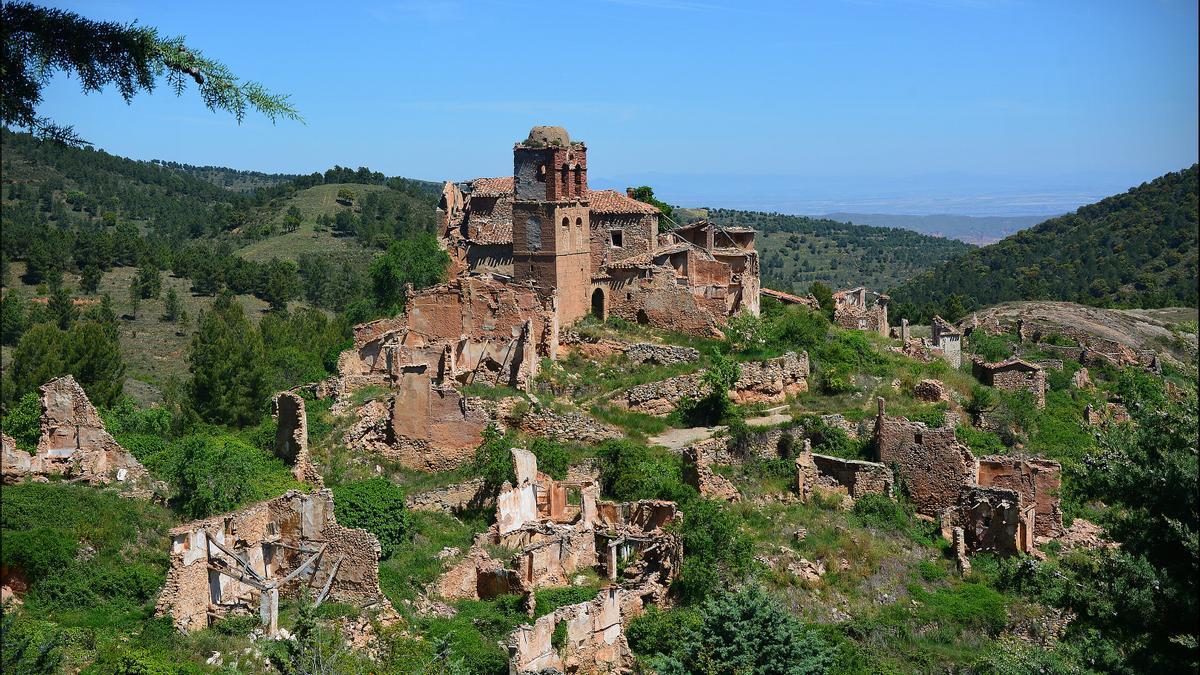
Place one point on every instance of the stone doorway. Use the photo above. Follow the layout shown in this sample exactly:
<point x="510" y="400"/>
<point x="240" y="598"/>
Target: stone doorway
<point x="598" y="304"/>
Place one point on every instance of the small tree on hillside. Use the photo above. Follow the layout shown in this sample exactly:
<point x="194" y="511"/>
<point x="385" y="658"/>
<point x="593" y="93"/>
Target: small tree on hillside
<point x="345" y="195"/>
<point x="418" y="261"/>
<point x="292" y="220"/>
<point x="89" y="279"/>
<point x="172" y="307"/>
<point x="228" y="365"/>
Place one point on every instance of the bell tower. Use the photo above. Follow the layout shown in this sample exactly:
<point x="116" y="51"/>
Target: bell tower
<point x="551" y="219"/>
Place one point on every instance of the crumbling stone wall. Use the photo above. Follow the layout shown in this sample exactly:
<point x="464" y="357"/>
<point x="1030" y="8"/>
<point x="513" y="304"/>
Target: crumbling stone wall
<point x="861" y="309"/>
<point x="660" y="355"/>
<point x="699" y="474"/>
<point x="291" y="437"/>
<point x="1037" y="481"/>
<point x="423" y="428"/>
<point x="595" y="639"/>
<point x="931" y="391"/>
<point x="992" y="519"/>
<point x="651" y="295"/>
<point x="856" y="477"/>
<point x="770" y="381"/>
<point x="948" y="340"/>
<point x="74" y="445"/>
<point x="274" y="538"/>
<point x="468" y="494"/>
<point x="635" y="230"/>
<point x="931" y="463"/>
<point x="773" y="380"/>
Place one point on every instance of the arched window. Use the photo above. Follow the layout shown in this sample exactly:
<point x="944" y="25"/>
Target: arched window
<point x="578" y="180"/>
<point x="541" y="173"/>
<point x="566" y="181"/>
<point x="579" y="237"/>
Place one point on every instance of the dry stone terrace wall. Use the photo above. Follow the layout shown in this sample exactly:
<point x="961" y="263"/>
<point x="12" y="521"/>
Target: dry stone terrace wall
<point x="74" y="445"/>
<point x="273" y="538"/>
<point x="770" y="381"/>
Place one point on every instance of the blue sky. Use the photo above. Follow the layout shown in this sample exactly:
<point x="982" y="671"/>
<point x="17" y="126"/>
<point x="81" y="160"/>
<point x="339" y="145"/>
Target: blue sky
<point x="911" y="106"/>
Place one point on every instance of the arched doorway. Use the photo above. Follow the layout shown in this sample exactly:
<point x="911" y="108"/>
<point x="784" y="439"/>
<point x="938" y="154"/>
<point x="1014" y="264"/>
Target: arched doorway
<point x="598" y="304"/>
<point x="642" y="318"/>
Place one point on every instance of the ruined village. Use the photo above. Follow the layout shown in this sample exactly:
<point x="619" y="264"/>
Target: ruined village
<point x="589" y="322"/>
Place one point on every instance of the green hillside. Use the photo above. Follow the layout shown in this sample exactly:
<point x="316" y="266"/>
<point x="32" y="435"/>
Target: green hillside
<point x="797" y="250"/>
<point x="1136" y="249"/>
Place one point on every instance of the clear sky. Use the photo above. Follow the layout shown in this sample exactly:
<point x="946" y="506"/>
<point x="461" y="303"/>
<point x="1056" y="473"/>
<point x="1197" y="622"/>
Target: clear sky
<point x="908" y="106"/>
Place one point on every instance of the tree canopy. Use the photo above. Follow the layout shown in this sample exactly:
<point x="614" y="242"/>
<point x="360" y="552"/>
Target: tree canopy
<point x="40" y="41"/>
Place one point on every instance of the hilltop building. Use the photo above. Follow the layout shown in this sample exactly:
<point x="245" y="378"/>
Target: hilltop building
<point x="594" y="251"/>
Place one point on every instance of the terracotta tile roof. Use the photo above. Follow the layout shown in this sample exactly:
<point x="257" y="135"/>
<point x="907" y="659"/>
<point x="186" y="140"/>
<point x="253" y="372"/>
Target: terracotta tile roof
<point x="492" y="187"/>
<point x="610" y="201"/>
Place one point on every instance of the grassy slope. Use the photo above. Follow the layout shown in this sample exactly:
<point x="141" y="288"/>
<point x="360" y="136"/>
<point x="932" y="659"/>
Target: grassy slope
<point x="312" y="202"/>
<point x="154" y="350"/>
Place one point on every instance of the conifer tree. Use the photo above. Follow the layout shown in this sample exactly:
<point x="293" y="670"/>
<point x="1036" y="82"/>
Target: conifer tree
<point x="228" y="365"/>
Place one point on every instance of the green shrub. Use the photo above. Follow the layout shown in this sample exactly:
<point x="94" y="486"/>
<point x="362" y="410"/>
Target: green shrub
<point x="747" y="632"/>
<point x="931" y="571"/>
<point x="24" y="422"/>
<point x="218" y="473"/>
<point x="630" y="471"/>
<point x="991" y="347"/>
<point x="377" y="506"/>
<point x="876" y="510"/>
<point x="716" y="552"/>
<point x="39" y="552"/>
<point x="493" y="458"/>
<point x="547" y="600"/>
<point x="126" y="418"/>
<point x="661" y="632"/>
<point x="552" y="457"/>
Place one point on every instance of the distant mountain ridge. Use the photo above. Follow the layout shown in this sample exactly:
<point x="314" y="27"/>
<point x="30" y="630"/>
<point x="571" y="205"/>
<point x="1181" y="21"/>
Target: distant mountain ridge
<point x="977" y="230"/>
<point x="1135" y="249"/>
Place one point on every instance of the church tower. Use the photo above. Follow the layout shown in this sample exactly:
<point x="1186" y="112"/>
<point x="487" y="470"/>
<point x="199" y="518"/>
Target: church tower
<point x="551" y="219"/>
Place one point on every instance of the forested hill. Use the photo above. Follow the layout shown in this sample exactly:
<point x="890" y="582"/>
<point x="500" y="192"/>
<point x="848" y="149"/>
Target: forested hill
<point x="1136" y="249"/>
<point x="797" y="250"/>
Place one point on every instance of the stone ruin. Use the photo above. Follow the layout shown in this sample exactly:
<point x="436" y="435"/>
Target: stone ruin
<point x="1089" y="349"/>
<point x="594" y="251"/>
<point x="238" y="563"/>
<point x="770" y="381"/>
<point x="945" y="342"/>
<point x="1000" y="503"/>
<point x="551" y="531"/>
<point x="74" y="445"/>
<point x="472" y="330"/>
<point x="291" y="437"/>
<point x="861" y="309"/>
<point x="1013" y="375"/>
